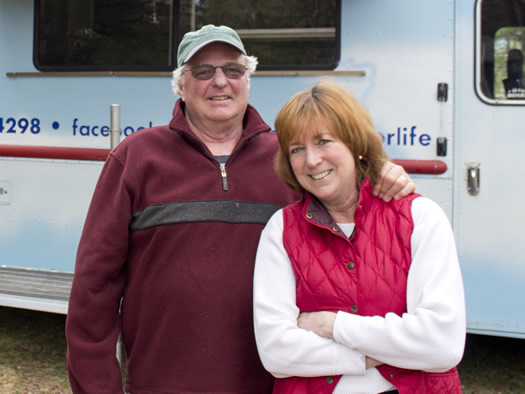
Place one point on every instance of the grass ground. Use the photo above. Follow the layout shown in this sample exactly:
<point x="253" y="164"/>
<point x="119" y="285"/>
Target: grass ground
<point x="32" y="352"/>
<point x="493" y="365"/>
<point x="33" y="347"/>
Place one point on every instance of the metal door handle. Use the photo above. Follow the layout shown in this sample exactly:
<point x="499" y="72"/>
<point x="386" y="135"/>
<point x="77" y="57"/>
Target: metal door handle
<point x="473" y="179"/>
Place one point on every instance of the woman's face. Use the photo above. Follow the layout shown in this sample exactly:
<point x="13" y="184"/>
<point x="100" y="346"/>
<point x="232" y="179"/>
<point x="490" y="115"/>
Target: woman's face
<point x="324" y="166"/>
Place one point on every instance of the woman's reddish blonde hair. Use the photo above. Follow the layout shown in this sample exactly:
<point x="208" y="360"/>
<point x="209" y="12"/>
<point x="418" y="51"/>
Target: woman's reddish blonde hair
<point x="335" y="108"/>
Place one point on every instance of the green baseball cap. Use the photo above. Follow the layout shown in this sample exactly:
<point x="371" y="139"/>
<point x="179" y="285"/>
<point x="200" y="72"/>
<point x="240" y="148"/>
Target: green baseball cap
<point x="193" y="41"/>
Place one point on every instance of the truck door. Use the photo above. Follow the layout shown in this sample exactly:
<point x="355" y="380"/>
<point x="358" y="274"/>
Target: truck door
<point x="489" y="187"/>
<point x="406" y="52"/>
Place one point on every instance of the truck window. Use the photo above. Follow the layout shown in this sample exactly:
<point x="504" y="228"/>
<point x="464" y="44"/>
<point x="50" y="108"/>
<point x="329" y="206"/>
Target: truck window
<point x="99" y="35"/>
<point x="500" y="36"/>
<point x="143" y="35"/>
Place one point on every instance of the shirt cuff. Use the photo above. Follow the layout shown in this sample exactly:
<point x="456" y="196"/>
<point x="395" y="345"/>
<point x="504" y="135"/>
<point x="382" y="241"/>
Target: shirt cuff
<point x="349" y="330"/>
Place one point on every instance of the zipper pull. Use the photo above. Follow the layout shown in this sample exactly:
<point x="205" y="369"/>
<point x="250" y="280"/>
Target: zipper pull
<point x="224" y="177"/>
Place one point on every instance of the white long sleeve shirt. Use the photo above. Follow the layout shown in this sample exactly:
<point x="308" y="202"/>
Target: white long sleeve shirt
<point x="430" y="336"/>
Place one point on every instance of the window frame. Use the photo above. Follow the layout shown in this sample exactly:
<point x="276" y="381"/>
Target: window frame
<point x="478" y="59"/>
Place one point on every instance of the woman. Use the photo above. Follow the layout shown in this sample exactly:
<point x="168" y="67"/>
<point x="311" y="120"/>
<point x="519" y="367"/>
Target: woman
<point x="352" y="294"/>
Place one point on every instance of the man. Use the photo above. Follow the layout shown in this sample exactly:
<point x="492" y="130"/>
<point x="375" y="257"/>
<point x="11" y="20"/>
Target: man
<point x="167" y="253"/>
<point x="514" y="86"/>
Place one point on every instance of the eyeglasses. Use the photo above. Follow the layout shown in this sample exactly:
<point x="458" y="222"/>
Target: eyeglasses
<point x="204" y="72"/>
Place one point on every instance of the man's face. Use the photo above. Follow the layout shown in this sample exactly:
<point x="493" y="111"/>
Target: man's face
<point x="218" y="101"/>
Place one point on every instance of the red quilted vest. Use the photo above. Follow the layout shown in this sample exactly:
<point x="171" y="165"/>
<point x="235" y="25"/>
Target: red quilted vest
<point x="335" y="273"/>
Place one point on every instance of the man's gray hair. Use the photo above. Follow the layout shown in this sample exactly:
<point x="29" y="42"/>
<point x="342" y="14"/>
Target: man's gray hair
<point x="178" y="74"/>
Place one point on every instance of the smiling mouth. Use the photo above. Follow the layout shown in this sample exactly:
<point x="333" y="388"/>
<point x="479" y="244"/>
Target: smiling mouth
<point x="219" y="98"/>
<point x="321" y="175"/>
